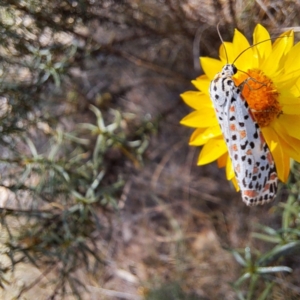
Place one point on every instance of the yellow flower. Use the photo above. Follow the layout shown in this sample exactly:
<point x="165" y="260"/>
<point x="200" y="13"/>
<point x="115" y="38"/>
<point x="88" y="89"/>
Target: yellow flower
<point x="275" y="104"/>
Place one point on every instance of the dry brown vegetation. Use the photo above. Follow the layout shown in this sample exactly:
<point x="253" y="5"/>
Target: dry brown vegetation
<point x="165" y="232"/>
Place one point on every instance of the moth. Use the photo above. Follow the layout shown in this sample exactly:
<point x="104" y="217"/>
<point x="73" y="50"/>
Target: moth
<point x="251" y="157"/>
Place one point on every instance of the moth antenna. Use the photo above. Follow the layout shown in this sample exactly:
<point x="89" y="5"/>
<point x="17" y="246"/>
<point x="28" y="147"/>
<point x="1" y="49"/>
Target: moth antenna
<point x="281" y="37"/>
<point x="222" y="40"/>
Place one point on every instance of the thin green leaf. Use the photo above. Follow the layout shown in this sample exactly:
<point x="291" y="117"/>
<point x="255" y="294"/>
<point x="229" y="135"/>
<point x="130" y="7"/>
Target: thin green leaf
<point x="32" y="148"/>
<point x="266" y="270"/>
<point x="278" y="251"/>
<point x="242" y="279"/>
<point x="252" y="286"/>
<point x="267" y="238"/>
<point x="239" y="258"/>
<point x="264" y="295"/>
<point x="266" y="229"/>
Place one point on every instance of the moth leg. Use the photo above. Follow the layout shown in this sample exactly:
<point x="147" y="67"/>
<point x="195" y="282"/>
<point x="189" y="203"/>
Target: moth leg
<point x="241" y="86"/>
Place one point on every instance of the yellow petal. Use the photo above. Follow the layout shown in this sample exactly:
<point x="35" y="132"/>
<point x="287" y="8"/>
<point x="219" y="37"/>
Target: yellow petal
<point x="230" y="174"/>
<point x="243" y="57"/>
<point x="291" y="109"/>
<point x="204" y="118"/>
<point x="272" y="62"/>
<point x="288" y="99"/>
<point x="290" y="145"/>
<point x="235" y="184"/>
<point x="295" y="91"/>
<point x="285" y="41"/>
<point x="212" y="150"/>
<point x="196" y="137"/>
<point x="292" y="61"/>
<point x="291" y="124"/>
<point x="229" y="169"/>
<point x="226" y="53"/>
<point x="201" y="135"/>
<point x="211" y="66"/>
<point x="197" y="100"/>
<point x="202" y="83"/>
<point x="286" y="81"/>
<point x="261" y="38"/>
<point x="282" y="161"/>
<point x="222" y="160"/>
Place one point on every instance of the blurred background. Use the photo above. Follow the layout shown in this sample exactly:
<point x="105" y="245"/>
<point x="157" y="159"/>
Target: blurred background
<point x="100" y="194"/>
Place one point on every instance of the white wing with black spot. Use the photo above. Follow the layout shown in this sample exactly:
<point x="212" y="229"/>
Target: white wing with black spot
<point x="251" y="158"/>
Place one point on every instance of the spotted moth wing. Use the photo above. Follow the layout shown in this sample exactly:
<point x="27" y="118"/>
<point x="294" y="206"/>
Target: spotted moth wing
<point x="251" y="158"/>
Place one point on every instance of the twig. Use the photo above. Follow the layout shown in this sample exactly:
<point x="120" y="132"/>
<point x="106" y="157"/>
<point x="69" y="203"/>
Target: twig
<point x="36" y="281"/>
<point x="265" y="9"/>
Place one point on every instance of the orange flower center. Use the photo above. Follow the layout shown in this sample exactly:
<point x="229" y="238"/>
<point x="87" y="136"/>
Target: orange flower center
<point x="260" y="94"/>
